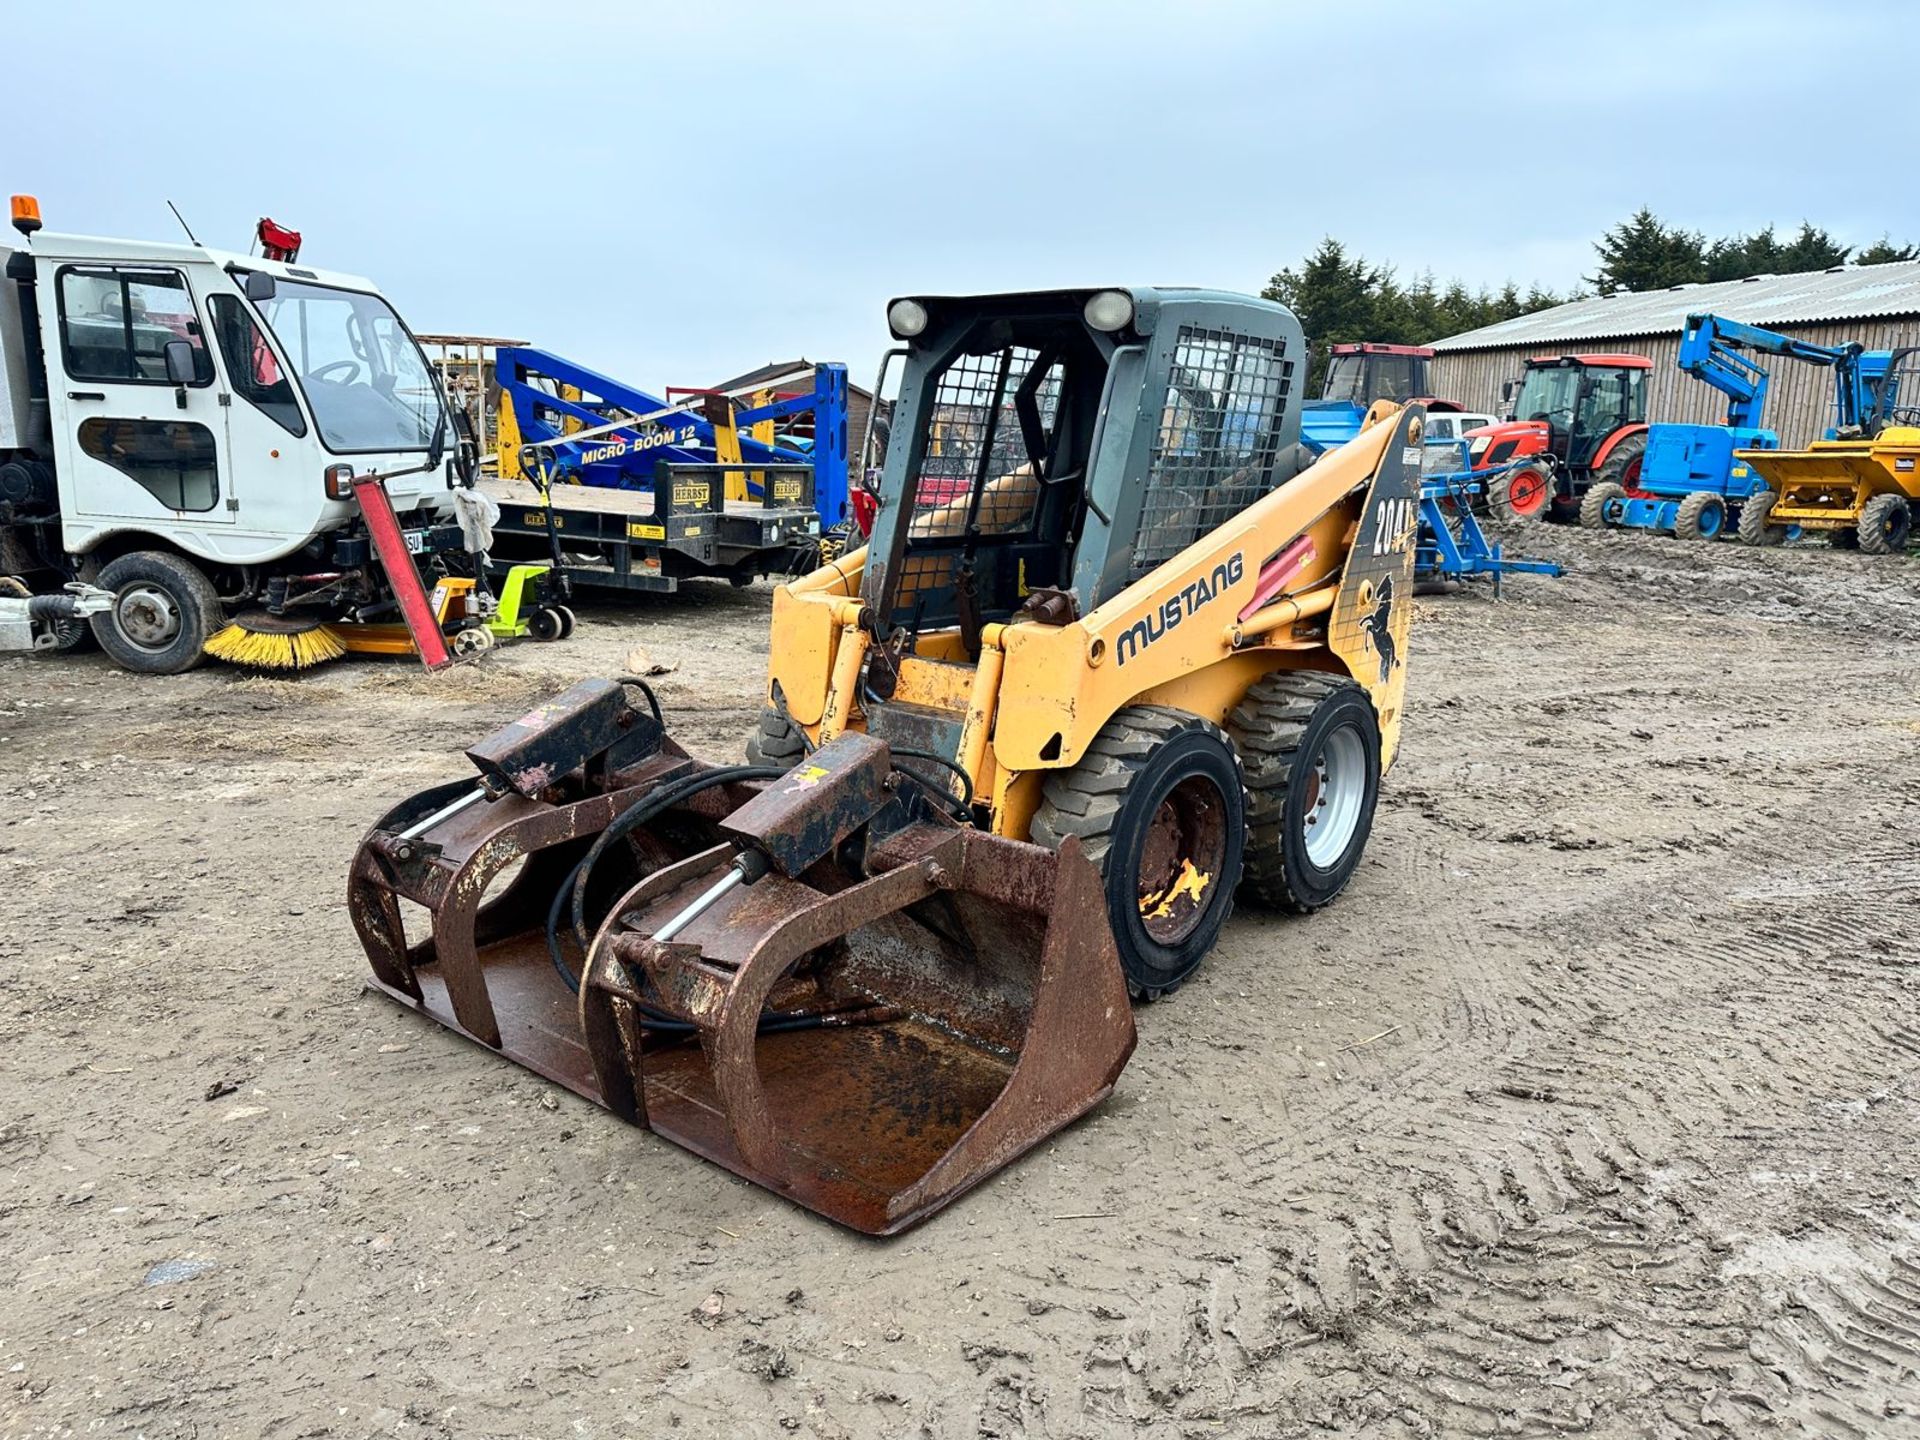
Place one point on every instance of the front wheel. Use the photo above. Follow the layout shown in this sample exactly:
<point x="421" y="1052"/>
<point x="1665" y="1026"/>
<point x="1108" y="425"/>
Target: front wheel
<point x="1310" y="744"/>
<point x="1886" y="523"/>
<point x="1701" y="516"/>
<point x="547" y="623"/>
<point x="1521" y="494"/>
<point x="165" y="610"/>
<point x="1756" y="520"/>
<point x="1159" y="807"/>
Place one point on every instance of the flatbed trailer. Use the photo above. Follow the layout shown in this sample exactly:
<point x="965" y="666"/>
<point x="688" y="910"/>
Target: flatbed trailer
<point x="684" y="528"/>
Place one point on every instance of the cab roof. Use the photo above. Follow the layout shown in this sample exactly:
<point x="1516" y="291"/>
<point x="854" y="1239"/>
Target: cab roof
<point x="85" y="249"/>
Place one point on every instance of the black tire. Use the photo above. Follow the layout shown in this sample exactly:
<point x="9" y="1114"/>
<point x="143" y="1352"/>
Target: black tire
<point x="1701" y="516"/>
<point x="547" y="623"/>
<point x="1593" y="505"/>
<point x="1886" y="523"/>
<point x="1283" y="730"/>
<point x="1756" y="524"/>
<point x="775" y="741"/>
<point x="165" y="611"/>
<point x="1622" y="465"/>
<point x="1159" y="807"/>
<point x="1500" y="494"/>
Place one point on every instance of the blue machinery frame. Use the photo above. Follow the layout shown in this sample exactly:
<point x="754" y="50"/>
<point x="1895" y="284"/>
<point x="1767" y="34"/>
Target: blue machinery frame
<point x="623" y="457"/>
<point x="725" y="503"/>
<point x="1683" y="461"/>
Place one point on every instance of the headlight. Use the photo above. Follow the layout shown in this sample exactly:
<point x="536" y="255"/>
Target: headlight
<point x="906" y="318"/>
<point x="1110" y="310"/>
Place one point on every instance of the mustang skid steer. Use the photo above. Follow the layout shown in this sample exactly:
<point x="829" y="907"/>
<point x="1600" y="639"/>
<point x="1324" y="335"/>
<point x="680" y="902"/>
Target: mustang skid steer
<point x="1110" y="656"/>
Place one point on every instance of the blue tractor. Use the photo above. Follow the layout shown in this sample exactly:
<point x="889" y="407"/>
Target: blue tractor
<point x="1691" y="483"/>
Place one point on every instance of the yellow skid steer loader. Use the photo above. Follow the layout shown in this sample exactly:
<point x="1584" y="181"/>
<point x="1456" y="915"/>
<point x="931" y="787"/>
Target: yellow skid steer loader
<point x="1111" y="655"/>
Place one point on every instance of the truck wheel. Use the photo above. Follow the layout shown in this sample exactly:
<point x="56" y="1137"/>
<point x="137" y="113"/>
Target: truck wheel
<point x="1756" y="525"/>
<point x="1521" y="494"/>
<point x="1310" y="744"/>
<point x="776" y="741"/>
<point x="1593" y="506"/>
<point x="1159" y="806"/>
<point x="1702" y="516"/>
<point x="165" y="610"/>
<point x="1885" y="523"/>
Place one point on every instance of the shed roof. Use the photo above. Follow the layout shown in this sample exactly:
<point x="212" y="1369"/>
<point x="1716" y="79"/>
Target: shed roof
<point x="1846" y="292"/>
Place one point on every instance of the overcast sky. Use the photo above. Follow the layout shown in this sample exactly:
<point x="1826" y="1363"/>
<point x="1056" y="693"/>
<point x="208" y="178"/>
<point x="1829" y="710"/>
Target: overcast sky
<point x="673" y="197"/>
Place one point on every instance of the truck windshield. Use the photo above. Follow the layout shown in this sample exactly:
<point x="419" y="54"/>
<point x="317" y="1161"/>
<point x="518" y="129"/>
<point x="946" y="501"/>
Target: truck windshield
<point x="366" y="380"/>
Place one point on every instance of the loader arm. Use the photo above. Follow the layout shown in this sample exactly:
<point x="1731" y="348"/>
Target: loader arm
<point x="1321" y="568"/>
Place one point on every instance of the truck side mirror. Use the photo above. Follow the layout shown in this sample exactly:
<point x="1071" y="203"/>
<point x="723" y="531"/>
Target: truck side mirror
<point x="182" y="368"/>
<point x="260" y="286"/>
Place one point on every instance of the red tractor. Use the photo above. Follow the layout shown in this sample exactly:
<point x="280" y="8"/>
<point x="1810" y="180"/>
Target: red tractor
<point x="1578" y="421"/>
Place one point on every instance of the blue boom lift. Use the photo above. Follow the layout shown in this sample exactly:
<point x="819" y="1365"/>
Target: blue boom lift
<point x="1691" y="484"/>
<point x="640" y="493"/>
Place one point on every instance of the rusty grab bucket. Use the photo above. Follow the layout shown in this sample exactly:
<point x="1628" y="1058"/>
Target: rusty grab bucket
<point x="819" y="980"/>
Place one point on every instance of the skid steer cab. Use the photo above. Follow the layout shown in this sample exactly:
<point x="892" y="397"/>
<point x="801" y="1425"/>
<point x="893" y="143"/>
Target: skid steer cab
<point x="1110" y="657"/>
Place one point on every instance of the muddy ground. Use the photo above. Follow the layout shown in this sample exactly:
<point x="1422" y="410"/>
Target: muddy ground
<point x="1590" y="1109"/>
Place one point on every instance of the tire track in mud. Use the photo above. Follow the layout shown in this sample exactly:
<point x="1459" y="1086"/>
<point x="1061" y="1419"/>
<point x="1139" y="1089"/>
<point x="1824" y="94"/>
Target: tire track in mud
<point x="1579" y="1105"/>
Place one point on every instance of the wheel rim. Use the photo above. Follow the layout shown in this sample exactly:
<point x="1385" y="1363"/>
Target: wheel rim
<point x="1710" y="521"/>
<point x="1527" y="492"/>
<point x="1181" y="857"/>
<point x="147" y="616"/>
<point x="1336" y="791"/>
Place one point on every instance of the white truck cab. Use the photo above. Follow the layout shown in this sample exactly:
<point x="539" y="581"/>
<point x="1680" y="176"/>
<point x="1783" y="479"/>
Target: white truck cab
<point x="210" y="409"/>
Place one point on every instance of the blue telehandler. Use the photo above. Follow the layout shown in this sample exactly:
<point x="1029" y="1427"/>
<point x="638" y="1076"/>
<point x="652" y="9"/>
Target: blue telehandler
<point x="1691" y="483"/>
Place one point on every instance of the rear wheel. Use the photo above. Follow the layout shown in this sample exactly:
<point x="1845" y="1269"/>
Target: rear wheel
<point x="1622" y="465"/>
<point x="1159" y="807"/>
<point x="1886" y="522"/>
<point x="1310" y="744"/>
<point x="165" y="610"/>
<point x="1756" y="520"/>
<point x="1593" y="506"/>
<point x="775" y="741"/>
<point x="1521" y="494"/>
<point x="1702" y="516"/>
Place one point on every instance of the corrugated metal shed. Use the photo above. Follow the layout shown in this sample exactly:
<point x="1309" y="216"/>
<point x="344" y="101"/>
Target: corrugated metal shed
<point x="1848" y="292"/>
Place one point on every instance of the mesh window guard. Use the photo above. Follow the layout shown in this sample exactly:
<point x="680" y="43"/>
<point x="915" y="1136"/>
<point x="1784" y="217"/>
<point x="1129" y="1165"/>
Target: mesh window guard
<point x="979" y="481"/>
<point x="1219" y="433"/>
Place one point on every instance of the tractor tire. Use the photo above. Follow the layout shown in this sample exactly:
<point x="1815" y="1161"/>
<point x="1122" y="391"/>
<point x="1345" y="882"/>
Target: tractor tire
<point x="1593" y="506"/>
<point x="1702" y="516"/>
<point x="1523" y="494"/>
<point x="165" y="610"/>
<point x="775" y="741"/>
<point x="1886" y="523"/>
<point x="1310" y="747"/>
<point x="1756" y="523"/>
<point x="1159" y="806"/>
<point x="1622" y="465"/>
